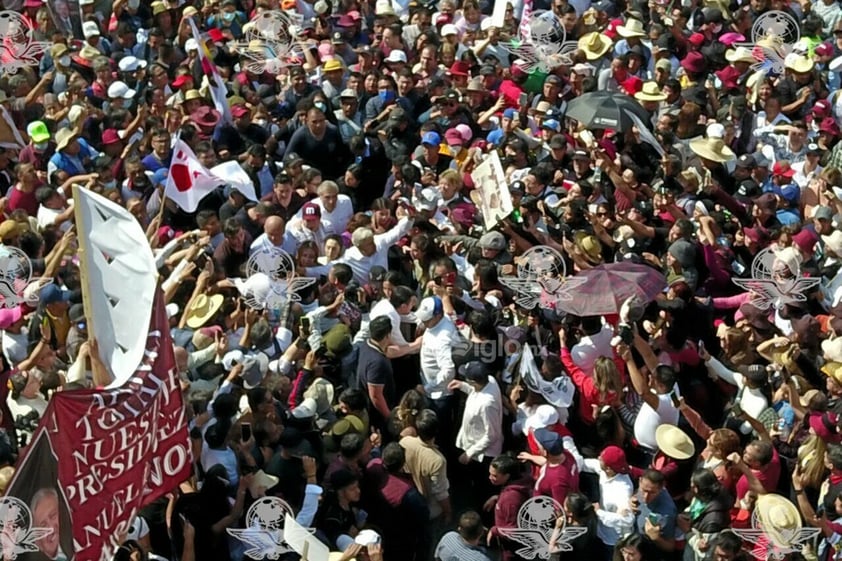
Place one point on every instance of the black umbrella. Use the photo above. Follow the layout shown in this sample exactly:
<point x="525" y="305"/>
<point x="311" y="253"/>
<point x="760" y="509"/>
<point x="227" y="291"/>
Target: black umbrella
<point x="606" y="110"/>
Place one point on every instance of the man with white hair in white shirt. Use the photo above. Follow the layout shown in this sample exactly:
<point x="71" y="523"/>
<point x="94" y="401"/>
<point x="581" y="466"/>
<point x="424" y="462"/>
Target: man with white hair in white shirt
<point x="336" y="210"/>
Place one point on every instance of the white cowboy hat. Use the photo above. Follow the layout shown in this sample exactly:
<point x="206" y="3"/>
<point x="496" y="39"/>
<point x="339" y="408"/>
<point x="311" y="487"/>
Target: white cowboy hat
<point x="632" y="28"/>
<point x="740" y="54"/>
<point x="202" y="309"/>
<point x="713" y="149"/>
<point x="832" y="349"/>
<point x="674" y="442"/>
<point x="595" y="45"/>
<point x="650" y="92"/>
<point x="779" y="519"/>
<point x="798" y="63"/>
<point x="321" y="391"/>
<point x="833" y="242"/>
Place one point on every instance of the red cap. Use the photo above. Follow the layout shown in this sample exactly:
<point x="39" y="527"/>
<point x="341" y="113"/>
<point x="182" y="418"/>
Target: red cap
<point x="611" y="30"/>
<point x="697" y="39"/>
<point x="110" y="136"/>
<point x="615" y="458"/>
<point x="216" y="35"/>
<point x="453" y="136"/>
<point x="239" y="111"/>
<point x="829" y="126"/>
<point x="806" y="240"/>
<point x="459" y="68"/>
<point x="444" y="18"/>
<point x="311" y="211"/>
<point x="354" y="15"/>
<point x="823" y="49"/>
<point x="182" y="80"/>
<point x="821" y="109"/>
<point x="632" y="85"/>
<point x="783" y="169"/>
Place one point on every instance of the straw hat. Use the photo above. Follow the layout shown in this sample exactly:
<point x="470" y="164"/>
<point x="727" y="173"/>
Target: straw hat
<point x="86" y="56"/>
<point x="589" y="245"/>
<point x="202" y="309"/>
<point x="833" y="242"/>
<point x="650" y="92"/>
<point x="779" y="519"/>
<point x="674" y="442"/>
<point x="713" y="149"/>
<point x="834" y="370"/>
<point x="740" y="54"/>
<point x="64" y="137"/>
<point x="798" y="63"/>
<point x="632" y="28"/>
<point x="190" y="95"/>
<point x="595" y="45"/>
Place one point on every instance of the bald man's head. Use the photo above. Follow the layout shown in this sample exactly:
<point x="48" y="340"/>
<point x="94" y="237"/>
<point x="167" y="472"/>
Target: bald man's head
<point x="274" y="230"/>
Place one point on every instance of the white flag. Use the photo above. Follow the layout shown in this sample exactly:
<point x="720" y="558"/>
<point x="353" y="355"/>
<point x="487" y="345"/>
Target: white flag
<point x="216" y="85"/>
<point x="558" y="392"/>
<point x="188" y="181"/>
<point x="119" y="280"/>
<point x="233" y="174"/>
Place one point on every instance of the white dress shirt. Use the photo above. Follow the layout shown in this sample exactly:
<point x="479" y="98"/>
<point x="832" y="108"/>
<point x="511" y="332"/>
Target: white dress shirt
<point x="481" y="433"/>
<point x="437" y="368"/>
<point x="616" y="519"/>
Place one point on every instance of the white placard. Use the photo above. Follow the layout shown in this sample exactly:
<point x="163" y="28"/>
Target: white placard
<point x="495" y="199"/>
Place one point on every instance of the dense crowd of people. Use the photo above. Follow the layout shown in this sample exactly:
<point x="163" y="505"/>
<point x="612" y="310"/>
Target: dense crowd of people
<point x="406" y="403"/>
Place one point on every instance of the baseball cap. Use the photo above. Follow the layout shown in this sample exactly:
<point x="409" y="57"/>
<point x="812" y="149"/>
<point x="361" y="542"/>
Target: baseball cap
<point x="449" y="29"/>
<point x="429" y="308"/>
<point x="120" y="89"/>
<point x="311" y="211"/>
<point x="130" y="64"/>
<point x="453" y="136"/>
<point x="615" y="458"/>
<point x="51" y="294"/>
<point x="782" y="168"/>
<point x="396" y="56"/>
<point x="549" y="441"/>
<point x="474" y="371"/>
<point x="239" y="111"/>
<point x="551" y="124"/>
<point x="493" y="240"/>
<point x="90" y="29"/>
<point x="110" y="136"/>
<point x="746" y="161"/>
<point x="509" y="113"/>
<point x="38" y="132"/>
<point x="432" y="138"/>
<point x="181" y="80"/>
<point x="348" y="93"/>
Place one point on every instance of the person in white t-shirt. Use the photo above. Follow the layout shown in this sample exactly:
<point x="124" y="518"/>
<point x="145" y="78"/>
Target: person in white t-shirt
<point x="595" y="343"/>
<point x="336" y="210"/>
<point x="657" y="393"/>
<point x="53" y="209"/>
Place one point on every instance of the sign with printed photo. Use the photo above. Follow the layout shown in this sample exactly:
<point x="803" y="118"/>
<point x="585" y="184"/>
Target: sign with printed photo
<point x="495" y="199"/>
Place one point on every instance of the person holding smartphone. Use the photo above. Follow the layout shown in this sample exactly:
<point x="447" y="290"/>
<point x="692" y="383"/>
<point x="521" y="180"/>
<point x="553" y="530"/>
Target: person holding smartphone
<point x="655" y="512"/>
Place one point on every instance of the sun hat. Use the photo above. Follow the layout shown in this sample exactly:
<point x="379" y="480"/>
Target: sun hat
<point x="729" y="76"/>
<point x="728" y="39"/>
<point x="834" y="370"/>
<point x="713" y="149"/>
<point x="740" y="54"/>
<point x="798" y="63"/>
<point x="779" y="519"/>
<point x="595" y="45"/>
<point x="589" y="245"/>
<point x="63" y="138"/>
<point x="650" y="92"/>
<point x="202" y="309"/>
<point x="322" y="392"/>
<point x="632" y="28"/>
<point x="694" y="62"/>
<point x="205" y="116"/>
<point x="833" y="242"/>
<point x="674" y="442"/>
<point x="832" y="349"/>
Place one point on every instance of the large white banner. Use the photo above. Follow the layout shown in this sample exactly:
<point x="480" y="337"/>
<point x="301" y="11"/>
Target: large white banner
<point x="119" y="276"/>
<point x="495" y="199"/>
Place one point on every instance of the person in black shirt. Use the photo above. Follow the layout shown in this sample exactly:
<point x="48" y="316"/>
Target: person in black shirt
<point x="374" y="370"/>
<point x="320" y="145"/>
<point x="337" y="518"/>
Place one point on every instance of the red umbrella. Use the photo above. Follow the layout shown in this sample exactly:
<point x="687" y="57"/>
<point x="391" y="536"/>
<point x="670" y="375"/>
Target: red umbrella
<point x="607" y="286"/>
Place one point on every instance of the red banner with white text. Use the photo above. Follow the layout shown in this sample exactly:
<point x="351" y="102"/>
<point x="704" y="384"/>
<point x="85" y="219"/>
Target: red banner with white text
<point x="119" y="450"/>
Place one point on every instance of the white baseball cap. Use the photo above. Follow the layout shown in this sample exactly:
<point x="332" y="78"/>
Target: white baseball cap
<point x="90" y="29"/>
<point x="130" y="64"/>
<point x="191" y="45"/>
<point x="396" y="56"/>
<point x="449" y="29"/>
<point x="119" y="89"/>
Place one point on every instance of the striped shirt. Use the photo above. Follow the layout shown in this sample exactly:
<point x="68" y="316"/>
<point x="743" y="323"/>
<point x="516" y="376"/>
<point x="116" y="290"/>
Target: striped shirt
<point x="453" y="548"/>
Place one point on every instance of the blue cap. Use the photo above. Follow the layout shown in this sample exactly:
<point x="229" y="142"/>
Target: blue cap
<point x="51" y="294"/>
<point x="509" y="113"/>
<point x="549" y="441"/>
<point x="551" y="124"/>
<point x="789" y="193"/>
<point x="431" y="138"/>
<point x="160" y="176"/>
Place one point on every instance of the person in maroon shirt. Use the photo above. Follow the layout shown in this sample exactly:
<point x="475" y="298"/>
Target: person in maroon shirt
<point x="22" y="193"/>
<point x="559" y="475"/>
<point x="515" y="489"/>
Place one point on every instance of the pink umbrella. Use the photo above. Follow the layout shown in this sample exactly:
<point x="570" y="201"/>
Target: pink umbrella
<point x="607" y="286"/>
